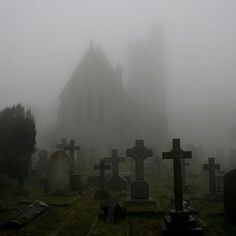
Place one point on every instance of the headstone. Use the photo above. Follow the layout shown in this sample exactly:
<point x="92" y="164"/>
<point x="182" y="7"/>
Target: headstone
<point x="42" y="163"/>
<point x="230" y="196"/>
<point x="116" y="182"/>
<point x="139" y="188"/>
<point x="111" y="211"/>
<point x="61" y="146"/>
<point x="101" y="193"/>
<point x="212" y="167"/>
<point x="179" y="221"/>
<point x="26" y="215"/>
<point x="75" y="181"/>
<point x="71" y="147"/>
<point x="59" y="173"/>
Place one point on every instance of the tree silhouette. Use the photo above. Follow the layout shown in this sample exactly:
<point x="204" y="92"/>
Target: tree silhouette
<point x="17" y="141"/>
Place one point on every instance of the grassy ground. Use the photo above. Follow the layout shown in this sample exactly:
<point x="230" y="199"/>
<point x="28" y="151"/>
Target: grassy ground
<point x="80" y="218"/>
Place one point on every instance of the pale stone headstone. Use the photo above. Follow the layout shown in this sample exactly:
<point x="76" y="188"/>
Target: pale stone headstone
<point x="59" y="173"/>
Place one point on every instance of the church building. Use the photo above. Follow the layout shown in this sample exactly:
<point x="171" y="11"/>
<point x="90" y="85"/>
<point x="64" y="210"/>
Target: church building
<point x="101" y="114"/>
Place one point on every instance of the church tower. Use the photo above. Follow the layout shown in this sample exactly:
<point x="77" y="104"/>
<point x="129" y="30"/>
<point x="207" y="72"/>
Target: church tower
<point x="146" y="85"/>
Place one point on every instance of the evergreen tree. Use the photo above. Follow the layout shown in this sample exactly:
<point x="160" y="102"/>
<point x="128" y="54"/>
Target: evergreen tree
<point x="17" y="142"/>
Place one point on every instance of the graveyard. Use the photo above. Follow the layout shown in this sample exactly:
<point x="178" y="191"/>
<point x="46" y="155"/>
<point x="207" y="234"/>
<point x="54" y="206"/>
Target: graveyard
<point x="117" y="118"/>
<point x="136" y="208"/>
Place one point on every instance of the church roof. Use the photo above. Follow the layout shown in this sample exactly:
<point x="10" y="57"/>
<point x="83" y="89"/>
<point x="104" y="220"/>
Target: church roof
<point x="94" y="66"/>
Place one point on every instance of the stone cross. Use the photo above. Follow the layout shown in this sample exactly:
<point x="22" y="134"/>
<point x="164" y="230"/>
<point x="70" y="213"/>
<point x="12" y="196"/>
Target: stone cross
<point x="139" y="153"/>
<point x="71" y="147"/>
<point x="102" y="167"/>
<point x="211" y="167"/>
<point x="177" y="154"/>
<point x="62" y="145"/>
<point x="114" y="160"/>
<point x="184" y="164"/>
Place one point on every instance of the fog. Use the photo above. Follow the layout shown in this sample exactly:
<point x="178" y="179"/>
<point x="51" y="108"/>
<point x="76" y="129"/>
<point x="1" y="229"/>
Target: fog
<point x="43" y="41"/>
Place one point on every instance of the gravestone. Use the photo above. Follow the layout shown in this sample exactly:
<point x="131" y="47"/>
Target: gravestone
<point x="101" y="193"/>
<point x="72" y="148"/>
<point x="179" y="221"/>
<point x="230" y="196"/>
<point x="213" y="195"/>
<point x="59" y="173"/>
<point x="139" y="188"/>
<point x="26" y="215"/>
<point x="116" y="182"/>
<point x="61" y="146"/>
<point x="42" y="163"/>
<point x="75" y="177"/>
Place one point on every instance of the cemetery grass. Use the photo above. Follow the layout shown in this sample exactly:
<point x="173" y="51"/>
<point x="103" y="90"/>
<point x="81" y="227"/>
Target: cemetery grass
<point x="81" y="216"/>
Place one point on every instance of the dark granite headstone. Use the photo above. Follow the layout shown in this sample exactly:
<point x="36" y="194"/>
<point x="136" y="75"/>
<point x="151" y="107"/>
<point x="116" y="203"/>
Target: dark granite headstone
<point x="101" y="193"/>
<point x="230" y="196"/>
<point x="213" y="195"/>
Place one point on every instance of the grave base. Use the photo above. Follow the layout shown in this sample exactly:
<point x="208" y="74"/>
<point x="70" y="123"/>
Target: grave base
<point x="214" y="197"/>
<point x="180" y="223"/>
<point x="101" y="195"/>
<point x="131" y="201"/>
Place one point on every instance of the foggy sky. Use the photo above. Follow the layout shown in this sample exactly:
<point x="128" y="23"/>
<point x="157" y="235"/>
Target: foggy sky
<point x="42" y="41"/>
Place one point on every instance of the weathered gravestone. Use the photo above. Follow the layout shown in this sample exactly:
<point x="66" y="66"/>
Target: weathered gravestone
<point x="139" y="188"/>
<point x="101" y="193"/>
<point x="59" y="173"/>
<point x="230" y="196"/>
<point x="116" y="182"/>
<point x="62" y="145"/>
<point x="213" y="194"/>
<point x="75" y="177"/>
<point x="179" y="221"/>
<point x="26" y="215"/>
<point x="42" y="163"/>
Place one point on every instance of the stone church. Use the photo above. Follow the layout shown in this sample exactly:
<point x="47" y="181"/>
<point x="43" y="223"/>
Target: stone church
<point x="101" y="114"/>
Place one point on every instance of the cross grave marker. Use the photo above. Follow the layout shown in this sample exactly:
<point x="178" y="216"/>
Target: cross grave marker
<point x="71" y="147"/>
<point x="213" y="195"/>
<point x="139" y="188"/>
<point x="177" y="154"/>
<point x="116" y="182"/>
<point x="102" y="167"/>
<point x="179" y="221"/>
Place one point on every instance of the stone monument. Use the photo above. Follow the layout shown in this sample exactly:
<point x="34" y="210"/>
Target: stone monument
<point x="116" y="182"/>
<point x="179" y="221"/>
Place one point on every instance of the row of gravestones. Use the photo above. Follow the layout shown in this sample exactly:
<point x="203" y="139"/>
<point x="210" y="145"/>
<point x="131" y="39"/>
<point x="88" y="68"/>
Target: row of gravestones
<point x="180" y="218"/>
<point x="58" y="173"/>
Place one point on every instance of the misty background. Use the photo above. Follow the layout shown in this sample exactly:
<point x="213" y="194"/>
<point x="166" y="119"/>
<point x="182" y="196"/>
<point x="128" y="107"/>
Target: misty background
<point x="42" y="42"/>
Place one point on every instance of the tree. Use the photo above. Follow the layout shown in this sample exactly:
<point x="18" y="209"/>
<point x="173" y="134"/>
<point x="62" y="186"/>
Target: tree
<point x="17" y="141"/>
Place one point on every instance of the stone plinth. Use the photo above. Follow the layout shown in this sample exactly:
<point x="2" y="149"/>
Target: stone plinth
<point x="180" y="223"/>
